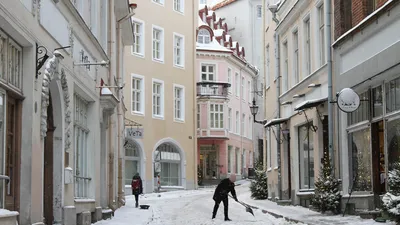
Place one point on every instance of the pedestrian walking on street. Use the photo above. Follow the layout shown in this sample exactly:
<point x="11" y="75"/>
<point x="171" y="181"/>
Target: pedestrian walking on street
<point x="137" y="188"/>
<point x="221" y="195"/>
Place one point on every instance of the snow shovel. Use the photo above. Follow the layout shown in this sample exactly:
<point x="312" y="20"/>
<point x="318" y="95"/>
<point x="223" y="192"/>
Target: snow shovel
<point x="248" y="208"/>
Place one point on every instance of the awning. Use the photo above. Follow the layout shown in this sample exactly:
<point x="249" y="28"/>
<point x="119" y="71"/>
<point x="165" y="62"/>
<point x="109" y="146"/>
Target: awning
<point x="310" y="103"/>
<point x="276" y="122"/>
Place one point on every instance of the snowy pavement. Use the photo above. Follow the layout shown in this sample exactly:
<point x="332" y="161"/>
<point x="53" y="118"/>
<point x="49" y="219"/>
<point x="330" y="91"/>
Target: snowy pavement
<point x="195" y="207"/>
<point x="183" y="207"/>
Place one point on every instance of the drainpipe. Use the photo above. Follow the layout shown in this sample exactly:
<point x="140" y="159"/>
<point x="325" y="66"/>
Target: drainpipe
<point x="195" y="101"/>
<point x="328" y="32"/>
<point x="110" y="128"/>
<point x="120" y="115"/>
<point x="278" y="91"/>
<point x="264" y="91"/>
<point x="240" y="119"/>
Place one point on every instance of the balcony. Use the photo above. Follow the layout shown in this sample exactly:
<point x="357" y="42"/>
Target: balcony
<point x="213" y="134"/>
<point x="209" y="89"/>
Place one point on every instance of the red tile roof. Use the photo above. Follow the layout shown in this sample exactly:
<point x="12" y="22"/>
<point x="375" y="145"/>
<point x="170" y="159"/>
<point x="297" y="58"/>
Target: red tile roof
<point x="222" y="4"/>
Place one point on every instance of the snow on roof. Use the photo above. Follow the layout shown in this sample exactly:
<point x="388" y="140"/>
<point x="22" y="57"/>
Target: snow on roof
<point x="201" y="6"/>
<point x="201" y="23"/>
<point x="234" y="44"/>
<point x="219" y="32"/>
<point x="210" y="12"/>
<point x="222" y="4"/>
<point x="227" y="37"/>
<point x="213" y="46"/>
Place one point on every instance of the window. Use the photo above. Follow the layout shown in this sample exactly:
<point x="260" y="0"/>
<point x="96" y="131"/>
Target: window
<point x="269" y="147"/>
<point x="137" y="94"/>
<point x="158" y="98"/>
<point x="306" y="150"/>
<point x="285" y="77"/>
<point x="230" y="79"/>
<point x="229" y="158"/>
<point x="307" y="47"/>
<point x="321" y="22"/>
<point x="138" y="33"/>
<point x="237" y="128"/>
<point x="158" y="44"/>
<point x="237" y="84"/>
<point x="296" y="57"/>
<point x="179" y="102"/>
<point x="363" y="111"/>
<point x="249" y="90"/>
<point x="230" y="119"/>
<point x="259" y="11"/>
<point x="243" y="119"/>
<point x="104" y="24"/>
<point x="207" y="72"/>
<point x="204" y="36"/>
<point x="132" y="161"/>
<point x="11" y="62"/>
<point x="2" y="155"/>
<point x="250" y="128"/>
<point x="179" y="5"/>
<point x="168" y="164"/>
<point x="392" y="96"/>
<point x="198" y="116"/>
<point x="216" y="115"/>
<point x="83" y="155"/>
<point x="237" y="162"/>
<point x="203" y="1"/>
<point x="267" y="66"/>
<point x="179" y="50"/>
<point x="360" y="160"/>
<point x="243" y="89"/>
<point x="161" y="2"/>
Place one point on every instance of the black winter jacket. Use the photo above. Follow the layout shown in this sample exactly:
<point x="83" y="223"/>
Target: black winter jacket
<point x="223" y="189"/>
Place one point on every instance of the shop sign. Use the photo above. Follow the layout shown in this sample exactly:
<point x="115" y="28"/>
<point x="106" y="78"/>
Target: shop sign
<point x="348" y="100"/>
<point x="135" y="133"/>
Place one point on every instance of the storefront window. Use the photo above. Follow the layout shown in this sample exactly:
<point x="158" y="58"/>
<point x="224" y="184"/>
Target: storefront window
<point x="377" y="101"/>
<point x="393" y="141"/>
<point x="360" y="160"/>
<point x="169" y="161"/>
<point x="2" y="124"/>
<point x="132" y="159"/>
<point x="306" y="151"/>
<point x="362" y="113"/>
<point x="393" y="95"/>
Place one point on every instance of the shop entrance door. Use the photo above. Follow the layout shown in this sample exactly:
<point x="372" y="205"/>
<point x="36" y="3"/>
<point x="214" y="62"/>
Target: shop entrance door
<point x="378" y="160"/>
<point x="208" y="161"/>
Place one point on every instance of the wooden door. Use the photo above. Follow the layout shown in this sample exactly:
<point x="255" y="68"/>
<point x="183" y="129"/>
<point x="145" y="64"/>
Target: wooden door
<point x="48" y="168"/>
<point x="12" y="156"/>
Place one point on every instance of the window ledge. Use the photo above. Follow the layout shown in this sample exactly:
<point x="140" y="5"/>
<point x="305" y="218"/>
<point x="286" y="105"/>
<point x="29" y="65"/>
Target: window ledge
<point x="158" y="117"/>
<point x="84" y="200"/>
<point x="180" y="12"/>
<point x="158" y="3"/>
<point x="179" y="66"/>
<point x="179" y="120"/>
<point x="140" y="55"/>
<point x="269" y="169"/>
<point x="158" y="60"/>
<point x="276" y="167"/>
<point x="137" y="113"/>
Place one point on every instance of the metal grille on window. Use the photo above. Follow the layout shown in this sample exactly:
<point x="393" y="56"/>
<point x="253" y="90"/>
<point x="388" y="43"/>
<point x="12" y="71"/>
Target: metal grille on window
<point x="82" y="154"/>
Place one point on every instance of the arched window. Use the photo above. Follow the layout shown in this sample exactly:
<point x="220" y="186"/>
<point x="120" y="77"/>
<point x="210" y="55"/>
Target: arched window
<point x="168" y="165"/>
<point x="132" y="161"/>
<point x="203" y="36"/>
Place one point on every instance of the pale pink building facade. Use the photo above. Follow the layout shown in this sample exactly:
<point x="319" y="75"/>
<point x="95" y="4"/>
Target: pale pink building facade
<point x="224" y="94"/>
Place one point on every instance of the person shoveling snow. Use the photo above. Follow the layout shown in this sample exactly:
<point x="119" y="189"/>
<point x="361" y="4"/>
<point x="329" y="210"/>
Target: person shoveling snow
<point x="221" y="195"/>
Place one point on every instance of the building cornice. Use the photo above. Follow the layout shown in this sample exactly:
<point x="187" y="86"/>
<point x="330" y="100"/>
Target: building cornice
<point x="293" y="14"/>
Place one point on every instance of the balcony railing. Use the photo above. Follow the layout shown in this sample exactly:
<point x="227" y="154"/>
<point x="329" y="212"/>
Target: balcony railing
<point x="212" y="89"/>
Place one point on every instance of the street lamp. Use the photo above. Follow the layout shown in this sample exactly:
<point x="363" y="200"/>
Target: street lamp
<point x="254" y="111"/>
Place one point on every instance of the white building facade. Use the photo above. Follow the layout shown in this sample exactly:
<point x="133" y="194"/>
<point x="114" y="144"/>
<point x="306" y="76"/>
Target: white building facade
<point x="60" y="136"/>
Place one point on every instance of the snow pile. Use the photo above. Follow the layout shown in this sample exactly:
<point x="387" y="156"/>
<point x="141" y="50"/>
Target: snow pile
<point x="391" y="200"/>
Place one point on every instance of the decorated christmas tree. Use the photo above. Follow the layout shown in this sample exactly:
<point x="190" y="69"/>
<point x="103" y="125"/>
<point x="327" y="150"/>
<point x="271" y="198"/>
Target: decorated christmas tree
<point x="327" y="195"/>
<point x="259" y="187"/>
<point x="391" y="200"/>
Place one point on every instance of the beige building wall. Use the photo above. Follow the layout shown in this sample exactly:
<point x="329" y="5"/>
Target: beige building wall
<point x="163" y="130"/>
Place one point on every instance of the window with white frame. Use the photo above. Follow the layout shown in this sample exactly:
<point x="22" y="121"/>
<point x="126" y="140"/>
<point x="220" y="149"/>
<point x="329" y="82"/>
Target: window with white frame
<point x="267" y="66"/>
<point x="158" y="98"/>
<point x="161" y="2"/>
<point x="3" y="153"/>
<point x="179" y="50"/>
<point x="249" y="90"/>
<point x="285" y="71"/>
<point x="269" y="147"/>
<point x="243" y="119"/>
<point x="230" y="79"/>
<point x="243" y="89"/>
<point x="230" y="119"/>
<point x="296" y="57"/>
<point x="198" y="115"/>
<point x="259" y="11"/>
<point x="250" y="128"/>
<point x="179" y="5"/>
<point x="83" y="154"/>
<point x="216" y="115"/>
<point x="307" y="47"/>
<point x="132" y="161"/>
<point x="11" y="61"/>
<point x="321" y="23"/>
<point x="237" y="128"/>
<point x="230" y="149"/>
<point x="137" y="94"/>
<point x="138" y="33"/>
<point x="203" y="1"/>
<point x="204" y="36"/>
<point x="158" y="43"/>
<point x="179" y="102"/>
<point x="237" y="90"/>
<point x="237" y="162"/>
<point x="207" y="72"/>
<point x="104" y="24"/>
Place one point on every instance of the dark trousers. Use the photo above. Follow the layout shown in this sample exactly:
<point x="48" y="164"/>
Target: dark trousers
<point x="217" y="202"/>
<point x="136" y="194"/>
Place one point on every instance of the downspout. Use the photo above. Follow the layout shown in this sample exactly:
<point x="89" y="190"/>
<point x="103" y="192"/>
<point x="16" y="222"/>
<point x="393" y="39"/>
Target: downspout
<point x="110" y="129"/>
<point x="328" y="33"/>
<point x="240" y="119"/>
<point x="265" y="90"/>
<point x="195" y="101"/>
<point x="278" y="129"/>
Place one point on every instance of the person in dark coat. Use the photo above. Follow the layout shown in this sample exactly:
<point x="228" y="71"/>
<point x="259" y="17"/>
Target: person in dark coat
<point x="137" y="187"/>
<point x="221" y="195"/>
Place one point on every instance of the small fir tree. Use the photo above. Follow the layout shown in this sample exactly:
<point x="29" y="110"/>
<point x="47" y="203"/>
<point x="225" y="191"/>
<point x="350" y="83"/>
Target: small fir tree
<point x="327" y="195"/>
<point x="391" y="200"/>
<point x="259" y="186"/>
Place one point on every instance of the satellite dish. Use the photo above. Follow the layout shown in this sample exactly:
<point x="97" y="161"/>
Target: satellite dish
<point x="348" y="100"/>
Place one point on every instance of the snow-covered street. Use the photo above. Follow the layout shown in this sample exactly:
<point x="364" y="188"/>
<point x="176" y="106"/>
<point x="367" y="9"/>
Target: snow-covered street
<point x="183" y="207"/>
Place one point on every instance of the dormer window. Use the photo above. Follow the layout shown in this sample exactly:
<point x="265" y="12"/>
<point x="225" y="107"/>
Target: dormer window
<point x="203" y="36"/>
